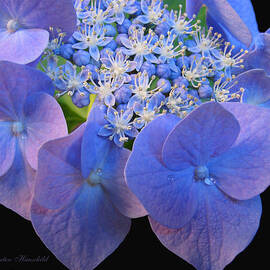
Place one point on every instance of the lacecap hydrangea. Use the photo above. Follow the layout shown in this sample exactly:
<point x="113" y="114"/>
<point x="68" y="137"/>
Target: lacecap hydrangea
<point x="150" y="70"/>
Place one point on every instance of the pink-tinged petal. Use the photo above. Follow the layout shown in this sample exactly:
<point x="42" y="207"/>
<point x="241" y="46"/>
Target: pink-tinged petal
<point x="103" y="159"/>
<point x="165" y="194"/>
<point x="59" y="179"/>
<point x="43" y="14"/>
<point x="16" y="185"/>
<point x="45" y="121"/>
<point x="206" y="132"/>
<point x="83" y="233"/>
<point x="23" y="46"/>
<point x="7" y="146"/>
<point x="17" y="81"/>
<point x="220" y="229"/>
<point x="243" y="171"/>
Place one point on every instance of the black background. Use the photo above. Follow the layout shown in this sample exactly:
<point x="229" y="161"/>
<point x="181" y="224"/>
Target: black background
<point x="140" y="249"/>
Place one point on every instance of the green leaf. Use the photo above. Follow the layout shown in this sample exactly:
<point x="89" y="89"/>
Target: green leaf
<point x="202" y="17"/>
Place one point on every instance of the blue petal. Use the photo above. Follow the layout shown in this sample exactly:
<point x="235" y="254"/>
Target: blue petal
<point x="15" y="88"/>
<point x="220" y="229"/>
<point x="101" y="154"/>
<point x="169" y="197"/>
<point x="143" y="19"/>
<point x="7" y="147"/>
<point x="242" y="171"/>
<point x="83" y="233"/>
<point x="59" y="179"/>
<point x="94" y="52"/>
<point x="16" y="185"/>
<point x="206" y="132"/>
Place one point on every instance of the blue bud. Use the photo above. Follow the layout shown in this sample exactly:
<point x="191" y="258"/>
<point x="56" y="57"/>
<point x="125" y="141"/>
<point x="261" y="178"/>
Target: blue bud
<point x="205" y="91"/>
<point x="150" y="68"/>
<point x="163" y="71"/>
<point x="81" y="99"/>
<point x="138" y="6"/>
<point x="122" y="107"/>
<point x="174" y="74"/>
<point x="72" y="40"/>
<point x="181" y="61"/>
<point x="111" y="45"/>
<point x="165" y="85"/>
<point x="123" y="94"/>
<point x="66" y="51"/>
<point x="81" y="58"/>
<point x="123" y="28"/>
<point x="181" y="81"/>
<point x="162" y="29"/>
<point x="110" y="30"/>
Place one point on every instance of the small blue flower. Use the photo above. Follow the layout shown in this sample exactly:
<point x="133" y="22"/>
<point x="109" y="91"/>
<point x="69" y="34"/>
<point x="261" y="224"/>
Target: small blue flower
<point x="152" y="12"/>
<point x="141" y="46"/>
<point x="119" y="66"/>
<point x="226" y="61"/>
<point x="180" y="24"/>
<point x="90" y="38"/>
<point x="119" y="128"/>
<point x="118" y="9"/>
<point x="81" y="58"/>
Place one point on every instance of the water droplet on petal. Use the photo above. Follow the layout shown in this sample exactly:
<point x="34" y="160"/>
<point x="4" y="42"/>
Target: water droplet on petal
<point x="99" y="171"/>
<point x="171" y="178"/>
<point x="209" y="181"/>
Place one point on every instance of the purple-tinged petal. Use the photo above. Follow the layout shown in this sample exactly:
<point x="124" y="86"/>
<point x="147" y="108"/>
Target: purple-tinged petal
<point x="104" y="41"/>
<point x="16" y="185"/>
<point x="17" y="81"/>
<point x="80" y="46"/>
<point x="206" y="132"/>
<point x="119" y="18"/>
<point x="243" y="171"/>
<point x="7" y="147"/>
<point x="109" y="100"/>
<point x="100" y="156"/>
<point x="151" y="58"/>
<point x="83" y="233"/>
<point x="143" y="19"/>
<point x="169" y="197"/>
<point x="23" y="46"/>
<point x="139" y="60"/>
<point x="131" y="66"/>
<point x="126" y="42"/>
<point x="59" y="179"/>
<point x="94" y="52"/>
<point x="78" y="36"/>
<point x="220" y="229"/>
<point x="43" y="14"/>
<point x="144" y="6"/>
<point x="256" y="86"/>
<point x="260" y="56"/>
<point x="45" y="122"/>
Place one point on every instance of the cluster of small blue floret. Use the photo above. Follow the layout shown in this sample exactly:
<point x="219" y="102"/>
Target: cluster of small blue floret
<point x="141" y="60"/>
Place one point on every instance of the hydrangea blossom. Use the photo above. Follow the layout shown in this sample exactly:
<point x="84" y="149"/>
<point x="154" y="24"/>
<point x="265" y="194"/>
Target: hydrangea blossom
<point x="80" y="184"/>
<point x="24" y="27"/>
<point x="199" y="179"/>
<point x="29" y="117"/>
